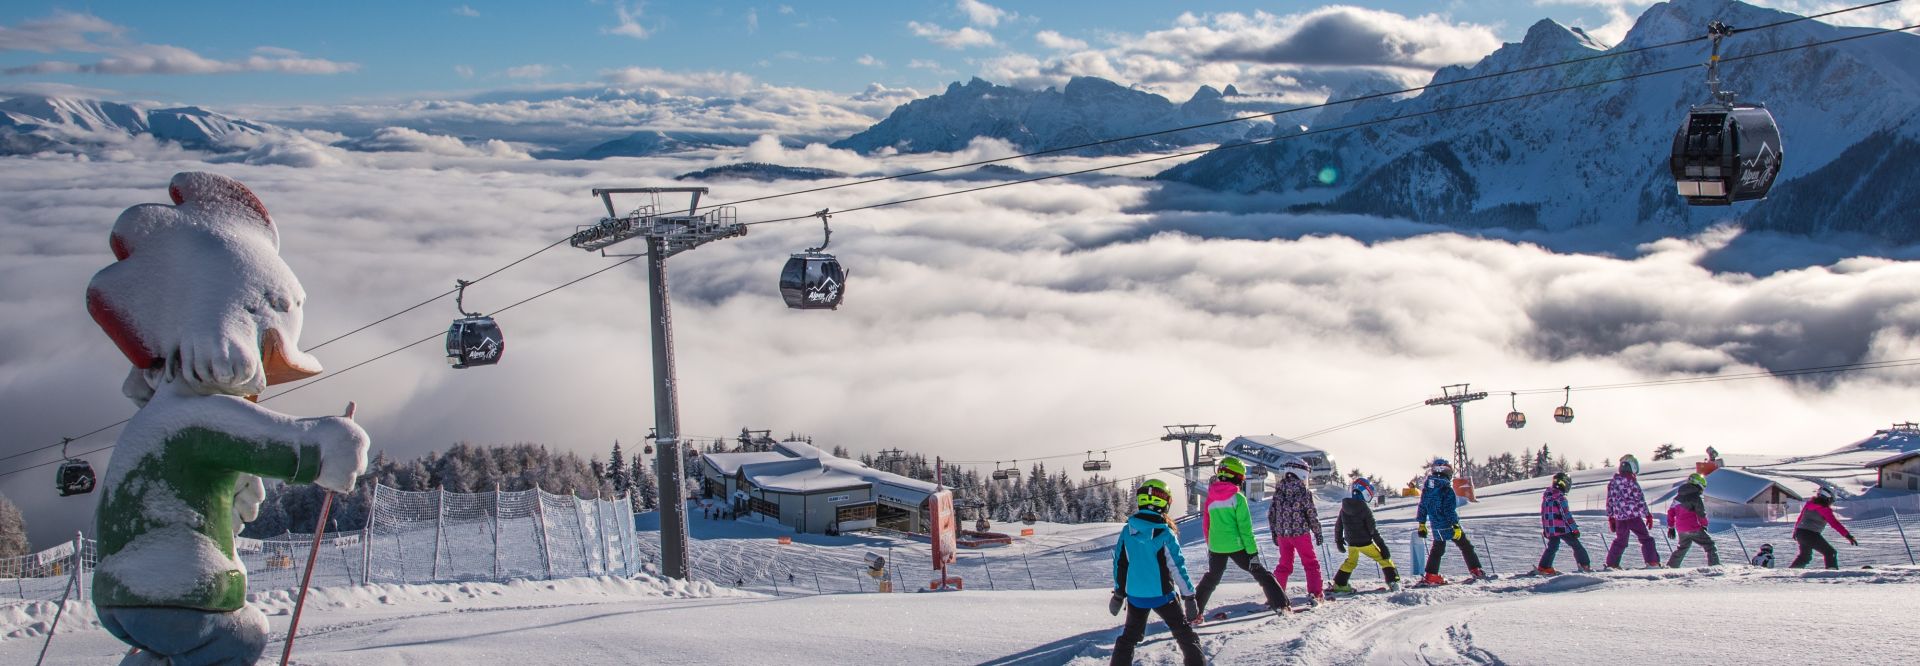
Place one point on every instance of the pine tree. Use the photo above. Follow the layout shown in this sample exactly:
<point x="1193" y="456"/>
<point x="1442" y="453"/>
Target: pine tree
<point x="1667" y="451"/>
<point x="617" y="470"/>
<point x="13" y="530"/>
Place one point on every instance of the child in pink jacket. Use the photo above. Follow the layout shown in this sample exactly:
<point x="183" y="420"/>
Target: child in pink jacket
<point x="1687" y="523"/>
<point x="1814" y="519"/>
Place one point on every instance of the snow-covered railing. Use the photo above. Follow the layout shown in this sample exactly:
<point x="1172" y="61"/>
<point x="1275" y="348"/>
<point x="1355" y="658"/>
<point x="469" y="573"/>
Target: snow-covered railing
<point x="44" y="575"/>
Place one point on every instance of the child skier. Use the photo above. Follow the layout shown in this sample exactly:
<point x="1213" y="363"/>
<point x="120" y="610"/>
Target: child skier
<point x="1627" y="513"/>
<point x="1439" y="504"/>
<point x="1229" y="528"/>
<point x="1687" y="523"/>
<point x="1355" y="534"/>
<point x="1295" y="526"/>
<point x="1764" y="558"/>
<point x="1150" y="575"/>
<point x="1558" y="526"/>
<point x="1814" y="519"/>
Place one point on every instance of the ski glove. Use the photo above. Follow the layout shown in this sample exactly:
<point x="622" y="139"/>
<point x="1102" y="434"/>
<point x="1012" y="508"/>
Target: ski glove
<point x="1115" y="603"/>
<point x="1422" y="530"/>
<point x="1319" y="539"/>
<point x="1458" y="533"/>
<point x="1340" y="546"/>
<point x="1610" y="526"/>
<point x="1192" y="607"/>
<point x="1649" y="522"/>
<point x="1852" y="541"/>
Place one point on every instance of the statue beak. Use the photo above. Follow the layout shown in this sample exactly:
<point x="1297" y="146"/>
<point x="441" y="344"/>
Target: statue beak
<point x="284" y="363"/>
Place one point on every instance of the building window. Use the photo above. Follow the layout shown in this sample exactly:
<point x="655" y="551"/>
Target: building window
<point x="763" y="507"/>
<point x="848" y="514"/>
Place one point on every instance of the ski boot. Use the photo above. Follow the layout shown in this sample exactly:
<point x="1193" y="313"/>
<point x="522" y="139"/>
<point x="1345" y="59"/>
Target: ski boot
<point x="1433" y="579"/>
<point x="1586" y="569"/>
<point x="1393" y="586"/>
<point x="1545" y="571"/>
<point x="1340" y="589"/>
<point x="1478" y="573"/>
<point x="1317" y="600"/>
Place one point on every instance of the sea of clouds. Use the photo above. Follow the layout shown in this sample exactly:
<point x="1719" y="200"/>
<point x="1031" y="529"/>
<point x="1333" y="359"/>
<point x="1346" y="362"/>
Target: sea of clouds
<point x="1035" y="320"/>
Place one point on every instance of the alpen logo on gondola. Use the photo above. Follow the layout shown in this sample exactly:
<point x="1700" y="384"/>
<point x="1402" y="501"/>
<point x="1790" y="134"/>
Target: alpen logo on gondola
<point x="485" y="350"/>
<point x="1760" y="170"/>
<point x="826" y="292"/>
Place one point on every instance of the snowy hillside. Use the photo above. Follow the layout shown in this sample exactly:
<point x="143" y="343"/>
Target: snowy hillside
<point x="1087" y="109"/>
<point x="35" y="123"/>
<point x="1598" y="156"/>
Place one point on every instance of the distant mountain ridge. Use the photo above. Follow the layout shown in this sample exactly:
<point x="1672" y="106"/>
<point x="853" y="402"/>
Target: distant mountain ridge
<point x="1087" y="109"/>
<point x="39" y="123"/>
<point x="1598" y="156"/>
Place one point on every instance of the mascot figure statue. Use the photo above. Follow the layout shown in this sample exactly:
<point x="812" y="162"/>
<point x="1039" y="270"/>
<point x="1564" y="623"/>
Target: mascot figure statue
<point x="201" y="303"/>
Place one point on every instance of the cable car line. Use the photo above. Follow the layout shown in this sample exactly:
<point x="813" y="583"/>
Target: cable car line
<point x="1350" y="126"/>
<point x="1133" y="163"/>
<point x="1362" y="98"/>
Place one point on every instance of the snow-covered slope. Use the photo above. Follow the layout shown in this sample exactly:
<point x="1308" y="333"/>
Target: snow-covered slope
<point x="1087" y="109"/>
<point x="1598" y="156"/>
<point x="36" y="123"/>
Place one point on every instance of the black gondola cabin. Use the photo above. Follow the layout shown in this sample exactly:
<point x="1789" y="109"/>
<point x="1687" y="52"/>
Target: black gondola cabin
<point x="76" y="477"/>
<point x="813" y="281"/>
<point x="474" y="341"/>
<point x="1725" y="153"/>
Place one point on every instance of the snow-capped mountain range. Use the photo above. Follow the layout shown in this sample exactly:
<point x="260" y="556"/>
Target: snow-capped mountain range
<point x="1087" y="109"/>
<point x="35" y="123"/>
<point x="1598" y="156"/>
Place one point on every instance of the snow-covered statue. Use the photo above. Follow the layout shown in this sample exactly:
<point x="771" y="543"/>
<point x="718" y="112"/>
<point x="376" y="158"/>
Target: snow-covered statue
<point x="201" y="303"/>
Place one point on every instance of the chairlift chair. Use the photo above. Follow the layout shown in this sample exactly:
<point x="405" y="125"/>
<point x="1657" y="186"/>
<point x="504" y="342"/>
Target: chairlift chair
<point x="814" y="280"/>
<point x="1205" y="459"/>
<point x="473" y="339"/>
<point x="1515" y="419"/>
<point x="1028" y="517"/>
<point x="1092" y="465"/>
<point x="981" y="525"/>
<point x="75" y="476"/>
<point x="1564" y="413"/>
<point x="1725" y="151"/>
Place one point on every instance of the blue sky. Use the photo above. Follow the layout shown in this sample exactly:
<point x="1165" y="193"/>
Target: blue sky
<point x="360" y="51"/>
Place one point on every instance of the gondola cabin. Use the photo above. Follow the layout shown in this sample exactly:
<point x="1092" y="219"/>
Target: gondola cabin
<point x="1725" y="153"/>
<point x="1516" y="420"/>
<point x="1563" y="414"/>
<point x="813" y="281"/>
<point x="474" y="341"/>
<point x="75" y="477"/>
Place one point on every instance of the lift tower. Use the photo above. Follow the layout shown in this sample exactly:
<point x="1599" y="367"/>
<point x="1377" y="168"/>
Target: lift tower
<point x="667" y="234"/>
<point x="1195" y="436"/>
<point x="1455" y="396"/>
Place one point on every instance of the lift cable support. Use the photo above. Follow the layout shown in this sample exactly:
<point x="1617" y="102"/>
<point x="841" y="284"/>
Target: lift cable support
<point x="666" y="234"/>
<point x="1196" y="437"/>
<point x="1456" y="396"/>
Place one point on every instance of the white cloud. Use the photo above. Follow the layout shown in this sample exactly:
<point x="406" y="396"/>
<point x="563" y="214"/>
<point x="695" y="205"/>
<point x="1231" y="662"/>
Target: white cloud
<point x="464" y="10"/>
<point x="528" y="72"/>
<point x="709" y="82"/>
<point x="1340" y="36"/>
<point x="465" y="71"/>
<point x="1054" y="40"/>
<point x="629" y="17"/>
<point x="870" y="61"/>
<point x="786" y="10"/>
<point x="1064" y="309"/>
<point x="401" y="139"/>
<point x="917" y="63"/>
<point x="1621" y="14"/>
<point x="66" y="32"/>
<point x="753" y="21"/>
<point x="953" y="39"/>
<point x="983" y="14"/>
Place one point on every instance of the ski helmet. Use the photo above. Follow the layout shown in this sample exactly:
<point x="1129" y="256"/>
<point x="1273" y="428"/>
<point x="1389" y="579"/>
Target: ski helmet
<point x="1698" y="480"/>
<point x="1363" y="490"/>
<point x="1230" y="470"/>
<point x="1766" y="548"/>
<point x="1153" y="496"/>
<point x="1296" y="468"/>
<point x="1824" y="495"/>
<point x="1629" y="465"/>
<point x="1562" y="481"/>
<point x="1440" y="467"/>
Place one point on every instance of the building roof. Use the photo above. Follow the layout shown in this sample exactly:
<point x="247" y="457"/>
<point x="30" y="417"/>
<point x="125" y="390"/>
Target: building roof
<point x="1741" y="487"/>
<point x="799" y="467"/>
<point x="1893" y="459"/>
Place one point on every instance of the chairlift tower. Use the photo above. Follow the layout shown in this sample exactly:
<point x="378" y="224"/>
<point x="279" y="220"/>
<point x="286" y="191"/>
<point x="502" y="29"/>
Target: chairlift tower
<point x="667" y="234"/>
<point x="1456" y="396"/>
<point x="1195" y="436"/>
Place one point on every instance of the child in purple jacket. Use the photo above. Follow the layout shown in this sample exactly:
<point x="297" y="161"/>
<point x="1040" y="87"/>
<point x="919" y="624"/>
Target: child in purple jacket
<point x="1627" y="513"/>
<point x="1557" y="526"/>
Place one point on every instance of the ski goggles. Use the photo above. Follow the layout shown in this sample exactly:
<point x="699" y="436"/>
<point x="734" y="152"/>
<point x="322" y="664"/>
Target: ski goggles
<point x="1156" y="498"/>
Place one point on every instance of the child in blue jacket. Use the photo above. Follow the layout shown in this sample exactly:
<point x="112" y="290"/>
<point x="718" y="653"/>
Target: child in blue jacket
<point x="1150" y="574"/>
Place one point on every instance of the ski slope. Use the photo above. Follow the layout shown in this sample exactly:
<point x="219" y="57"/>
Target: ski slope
<point x="1737" y="614"/>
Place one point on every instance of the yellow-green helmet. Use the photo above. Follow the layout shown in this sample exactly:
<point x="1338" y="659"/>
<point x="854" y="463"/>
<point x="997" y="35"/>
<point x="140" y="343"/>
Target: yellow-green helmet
<point x="1153" y="495"/>
<point x="1230" y="469"/>
<point x="1697" y="480"/>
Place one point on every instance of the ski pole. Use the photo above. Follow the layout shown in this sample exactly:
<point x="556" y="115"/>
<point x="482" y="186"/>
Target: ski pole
<point x="300" y="602"/>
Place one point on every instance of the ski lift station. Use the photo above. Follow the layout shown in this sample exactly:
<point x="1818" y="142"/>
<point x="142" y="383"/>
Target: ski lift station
<point x="811" y="491"/>
<point x="1271" y="451"/>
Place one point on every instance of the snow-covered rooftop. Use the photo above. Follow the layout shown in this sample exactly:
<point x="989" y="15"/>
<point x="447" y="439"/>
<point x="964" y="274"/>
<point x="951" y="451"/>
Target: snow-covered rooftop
<point x="1740" y="487"/>
<point x="1895" y="458"/>
<point x="799" y="467"/>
